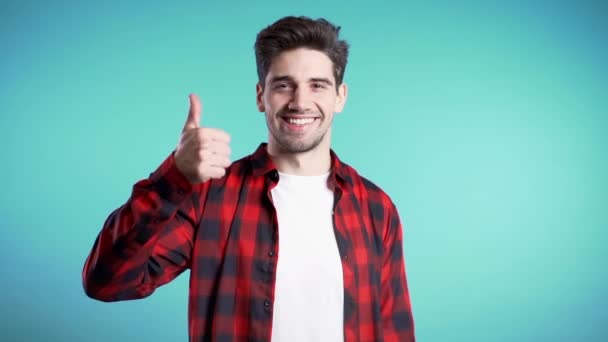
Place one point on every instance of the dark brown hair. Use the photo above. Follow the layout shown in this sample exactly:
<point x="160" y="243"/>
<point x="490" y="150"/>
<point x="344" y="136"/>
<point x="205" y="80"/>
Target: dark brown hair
<point x="295" y="32"/>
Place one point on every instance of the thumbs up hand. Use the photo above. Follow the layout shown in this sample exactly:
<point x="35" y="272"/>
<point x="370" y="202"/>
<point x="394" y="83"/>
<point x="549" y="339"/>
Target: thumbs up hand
<point x="202" y="153"/>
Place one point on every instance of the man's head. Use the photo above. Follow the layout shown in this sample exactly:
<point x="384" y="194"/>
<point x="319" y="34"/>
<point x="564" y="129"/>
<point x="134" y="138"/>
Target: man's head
<point x="290" y="33"/>
<point x="300" y="68"/>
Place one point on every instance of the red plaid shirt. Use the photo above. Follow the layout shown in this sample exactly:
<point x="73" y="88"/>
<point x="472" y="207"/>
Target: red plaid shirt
<point x="225" y="231"/>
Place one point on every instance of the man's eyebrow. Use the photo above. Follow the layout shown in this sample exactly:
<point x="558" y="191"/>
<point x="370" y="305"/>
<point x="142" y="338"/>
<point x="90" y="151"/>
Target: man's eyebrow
<point x="281" y="79"/>
<point x="291" y="79"/>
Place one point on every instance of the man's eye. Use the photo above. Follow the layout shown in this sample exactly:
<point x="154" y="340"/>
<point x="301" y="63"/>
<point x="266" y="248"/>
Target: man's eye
<point x="318" y="85"/>
<point x="281" y="86"/>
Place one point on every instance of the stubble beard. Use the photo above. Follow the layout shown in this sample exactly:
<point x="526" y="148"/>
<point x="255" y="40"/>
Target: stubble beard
<point x="290" y="145"/>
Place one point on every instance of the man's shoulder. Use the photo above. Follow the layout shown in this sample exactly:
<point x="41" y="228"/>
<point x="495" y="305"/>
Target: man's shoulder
<point x="362" y="183"/>
<point x="373" y="197"/>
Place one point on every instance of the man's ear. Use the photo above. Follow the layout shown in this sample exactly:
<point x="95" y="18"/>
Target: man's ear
<point x="259" y="93"/>
<point x="341" y="98"/>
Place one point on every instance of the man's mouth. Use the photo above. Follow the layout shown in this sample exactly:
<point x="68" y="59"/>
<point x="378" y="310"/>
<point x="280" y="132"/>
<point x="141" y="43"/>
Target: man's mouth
<point x="299" y="121"/>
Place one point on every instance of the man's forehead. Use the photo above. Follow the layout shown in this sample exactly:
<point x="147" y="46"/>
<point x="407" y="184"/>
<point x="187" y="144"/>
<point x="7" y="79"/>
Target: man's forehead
<point x="301" y="64"/>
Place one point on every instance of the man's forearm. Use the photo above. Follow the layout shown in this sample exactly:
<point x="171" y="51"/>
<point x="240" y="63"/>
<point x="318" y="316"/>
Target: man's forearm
<point x="129" y="258"/>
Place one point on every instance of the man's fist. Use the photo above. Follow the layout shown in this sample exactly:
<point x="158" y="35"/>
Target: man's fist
<point x="202" y="153"/>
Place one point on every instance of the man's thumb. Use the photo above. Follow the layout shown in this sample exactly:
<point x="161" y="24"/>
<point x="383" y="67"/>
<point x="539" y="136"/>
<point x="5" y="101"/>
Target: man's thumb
<point x="194" y="115"/>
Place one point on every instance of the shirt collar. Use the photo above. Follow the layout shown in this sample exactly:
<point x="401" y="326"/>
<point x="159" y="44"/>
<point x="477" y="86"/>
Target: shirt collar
<point x="262" y="164"/>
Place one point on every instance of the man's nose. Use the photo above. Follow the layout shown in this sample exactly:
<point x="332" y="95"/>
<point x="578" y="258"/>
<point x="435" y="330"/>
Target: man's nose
<point x="300" y="100"/>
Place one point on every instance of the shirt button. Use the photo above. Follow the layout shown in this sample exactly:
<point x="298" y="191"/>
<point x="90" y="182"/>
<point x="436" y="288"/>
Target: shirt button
<point x="274" y="175"/>
<point x="266" y="303"/>
<point x="271" y="253"/>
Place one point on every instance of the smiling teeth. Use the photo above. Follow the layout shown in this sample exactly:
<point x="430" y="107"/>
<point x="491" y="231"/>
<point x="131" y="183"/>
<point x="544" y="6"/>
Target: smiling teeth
<point x="300" y="121"/>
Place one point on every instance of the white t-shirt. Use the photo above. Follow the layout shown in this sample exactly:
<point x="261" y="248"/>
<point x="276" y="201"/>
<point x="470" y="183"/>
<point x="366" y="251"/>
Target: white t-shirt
<point x="309" y="290"/>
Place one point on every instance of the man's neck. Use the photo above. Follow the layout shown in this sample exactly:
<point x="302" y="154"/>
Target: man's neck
<point x="311" y="163"/>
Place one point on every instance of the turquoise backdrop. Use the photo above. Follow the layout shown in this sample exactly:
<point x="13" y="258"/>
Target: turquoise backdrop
<point x="485" y="121"/>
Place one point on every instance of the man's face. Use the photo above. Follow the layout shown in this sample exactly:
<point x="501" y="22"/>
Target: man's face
<point x="300" y="99"/>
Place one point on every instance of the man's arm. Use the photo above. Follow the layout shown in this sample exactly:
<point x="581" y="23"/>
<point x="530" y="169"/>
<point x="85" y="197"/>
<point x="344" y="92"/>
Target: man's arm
<point x="396" y="310"/>
<point x="145" y="243"/>
<point x="148" y="241"/>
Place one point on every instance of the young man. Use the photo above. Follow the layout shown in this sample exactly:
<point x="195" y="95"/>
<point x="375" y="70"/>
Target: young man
<point x="286" y="244"/>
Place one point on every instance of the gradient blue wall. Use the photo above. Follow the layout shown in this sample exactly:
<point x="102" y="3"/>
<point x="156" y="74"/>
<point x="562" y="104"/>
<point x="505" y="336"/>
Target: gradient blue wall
<point x="485" y="121"/>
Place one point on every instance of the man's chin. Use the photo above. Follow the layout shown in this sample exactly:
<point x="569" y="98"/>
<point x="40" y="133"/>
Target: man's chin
<point x="298" y="146"/>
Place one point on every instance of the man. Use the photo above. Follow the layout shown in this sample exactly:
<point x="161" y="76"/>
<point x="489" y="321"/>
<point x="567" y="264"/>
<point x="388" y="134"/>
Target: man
<point x="286" y="244"/>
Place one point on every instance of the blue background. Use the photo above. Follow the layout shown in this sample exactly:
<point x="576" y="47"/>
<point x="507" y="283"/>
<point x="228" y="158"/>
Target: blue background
<point x="485" y="121"/>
